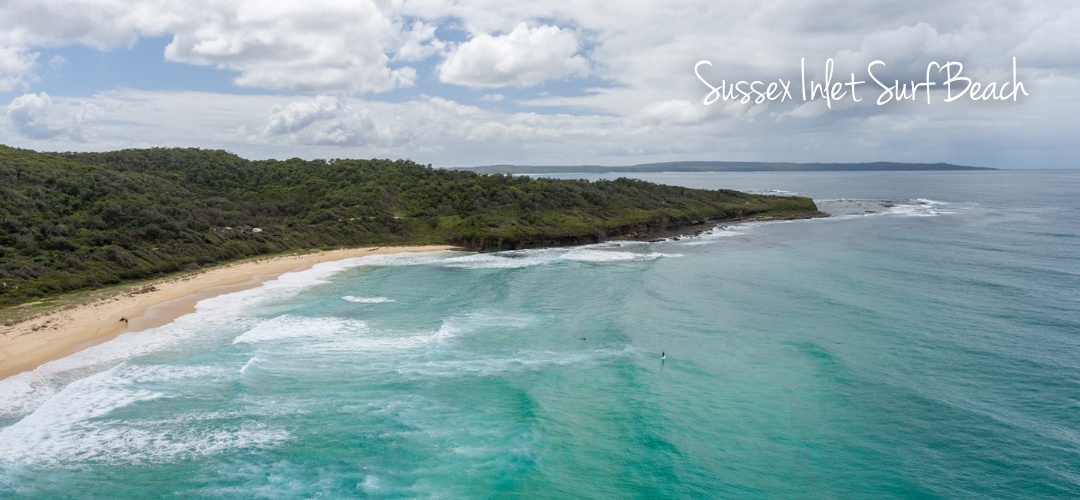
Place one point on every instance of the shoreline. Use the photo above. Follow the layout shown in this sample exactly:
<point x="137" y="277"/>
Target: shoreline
<point x="30" y="343"/>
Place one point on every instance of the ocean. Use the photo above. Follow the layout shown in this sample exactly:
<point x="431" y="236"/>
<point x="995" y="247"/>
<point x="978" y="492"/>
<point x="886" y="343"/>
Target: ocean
<point x="923" y="342"/>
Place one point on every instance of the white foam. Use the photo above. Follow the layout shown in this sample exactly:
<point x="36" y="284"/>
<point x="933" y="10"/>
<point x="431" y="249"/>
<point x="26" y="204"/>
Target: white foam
<point x="847" y="208"/>
<point x="386" y="341"/>
<point x="64" y="425"/>
<point x="725" y="231"/>
<point x="598" y="253"/>
<point x="287" y="327"/>
<point x="26" y="393"/>
<point x="501" y="260"/>
<point x="425" y="339"/>
<point x="291" y="284"/>
<point x="717" y="233"/>
<point x="340" y="334"/>
<point x="252" y="361"/>
<point x="169" y="373"/>
<point x="520" y="361"/>
<point x="772" y="192"/>
<point x="110" y="442"/>
<point x="404" y="259"/>
<point x="920" y="207"/>
<point x="367" y="300"/>
<point x="397" y="342"/>
<point x="77" y="423"/>
<point x="371" y="485"/>
<point x="20" y="394"/>
<point x="602" y="256"/>
<point x="23" y="392"/>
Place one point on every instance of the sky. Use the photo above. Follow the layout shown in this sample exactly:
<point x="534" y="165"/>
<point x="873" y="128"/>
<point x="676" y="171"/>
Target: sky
<point x="481" y="82"/>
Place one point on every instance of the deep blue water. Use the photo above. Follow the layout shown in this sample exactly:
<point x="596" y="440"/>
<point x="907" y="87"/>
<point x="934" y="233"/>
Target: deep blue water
<point x="924" y="342"/>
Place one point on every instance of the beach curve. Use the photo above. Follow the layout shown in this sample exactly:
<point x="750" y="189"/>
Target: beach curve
<point x="30" y="343"/>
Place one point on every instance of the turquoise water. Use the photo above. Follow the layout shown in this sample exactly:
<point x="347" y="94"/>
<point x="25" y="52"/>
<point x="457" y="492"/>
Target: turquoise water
<point x="922" y="343"/>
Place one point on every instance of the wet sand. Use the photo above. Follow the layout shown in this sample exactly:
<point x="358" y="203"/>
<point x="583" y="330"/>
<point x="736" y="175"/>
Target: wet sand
<point x="34" y="342"/>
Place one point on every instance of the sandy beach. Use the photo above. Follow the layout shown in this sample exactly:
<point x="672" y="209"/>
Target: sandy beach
<point x="31" y="343"/>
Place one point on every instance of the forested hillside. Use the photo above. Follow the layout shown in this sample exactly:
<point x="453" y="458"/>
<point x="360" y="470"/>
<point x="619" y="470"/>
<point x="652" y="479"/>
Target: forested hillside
<point x="84" y="220"/>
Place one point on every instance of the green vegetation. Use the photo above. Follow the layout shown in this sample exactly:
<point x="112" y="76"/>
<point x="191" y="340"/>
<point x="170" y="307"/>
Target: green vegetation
<point x="721" y="166"/>
<point x="81" y="221"/>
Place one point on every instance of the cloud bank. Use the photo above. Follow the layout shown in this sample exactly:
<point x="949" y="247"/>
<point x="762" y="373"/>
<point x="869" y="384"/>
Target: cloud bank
<point x="462" y="83"/>
<point x="36" y="117"/>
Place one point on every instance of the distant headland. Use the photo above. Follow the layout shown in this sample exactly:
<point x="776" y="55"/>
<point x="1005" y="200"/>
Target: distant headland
<point x="82" y="221"/>
<point x="720" y="166"/>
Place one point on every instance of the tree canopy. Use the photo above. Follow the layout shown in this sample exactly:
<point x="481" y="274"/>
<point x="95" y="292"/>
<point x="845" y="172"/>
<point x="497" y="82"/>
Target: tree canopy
<point x="73" y="221"/>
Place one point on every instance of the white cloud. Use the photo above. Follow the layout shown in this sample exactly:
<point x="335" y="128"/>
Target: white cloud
<point x="639" y="57"/>
<point x="16" y="68"/>
<point x="1053" y="43"/>
<point x="323" y="120"/>
<point x="419" y="43"/>
<point x="673" y="112"/>
<point x="26" y="26"/>
<point x="35" y="116"/>
<point x="524" y="57"/>
<point x="447" y="133"/>
<point x="57" y="61"/>
<point x="101" y="24"/>
<point x="313" y="46"/>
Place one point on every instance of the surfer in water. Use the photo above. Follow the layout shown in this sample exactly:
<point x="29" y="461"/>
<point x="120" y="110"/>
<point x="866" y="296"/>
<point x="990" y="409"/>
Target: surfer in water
<point x="663" y="355"/>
